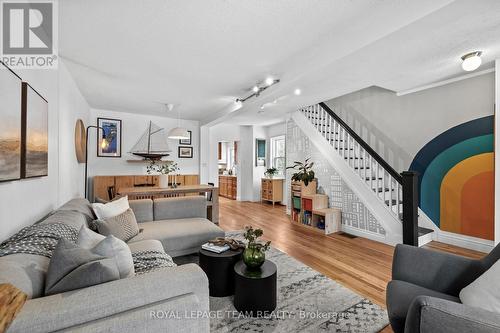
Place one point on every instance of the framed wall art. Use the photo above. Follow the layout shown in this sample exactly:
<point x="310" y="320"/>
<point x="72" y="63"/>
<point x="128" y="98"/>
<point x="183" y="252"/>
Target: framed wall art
<point x="35" y="133"/>
<point x="185" y="152"/>
<point x="10" y="126"/>
<point x="186" y="141"/>
<point x="112" y="145"/>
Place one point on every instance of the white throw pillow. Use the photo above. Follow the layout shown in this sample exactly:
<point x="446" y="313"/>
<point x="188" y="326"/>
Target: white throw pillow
<point x="110" y="247"/>
<point x="87" y="238"/>
<point x="484" y="292"/>
<point x="110" y="209"/>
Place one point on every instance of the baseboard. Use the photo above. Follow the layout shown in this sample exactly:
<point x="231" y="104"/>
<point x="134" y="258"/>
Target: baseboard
<point x="468" y="242"/>
<point x="365" y="234"/>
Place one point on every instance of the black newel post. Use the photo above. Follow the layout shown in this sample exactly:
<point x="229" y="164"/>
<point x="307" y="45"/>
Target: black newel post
<point x="410" y="207"/>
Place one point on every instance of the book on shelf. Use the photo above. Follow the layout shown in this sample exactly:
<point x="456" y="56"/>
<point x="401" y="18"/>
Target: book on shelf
<point x="215" y="248"/>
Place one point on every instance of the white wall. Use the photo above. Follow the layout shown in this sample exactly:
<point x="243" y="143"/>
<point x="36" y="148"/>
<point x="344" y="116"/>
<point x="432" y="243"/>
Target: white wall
<point x="23" y="202"/>
<point x="497" y="151"/>
<point x="133" y="126"/>
<point x="72" y="106"/>
<point x="398" y="127"/>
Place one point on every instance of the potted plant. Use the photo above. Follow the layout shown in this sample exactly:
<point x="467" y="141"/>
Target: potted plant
<point x="271" y="172"/>
<point x="254" y="254"/>
<point x="163" y="169"/>
<point x="304" y="172"/>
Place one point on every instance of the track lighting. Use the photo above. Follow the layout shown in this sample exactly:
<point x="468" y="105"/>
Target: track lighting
<point x="297" y="92"/>
<point x="259" y="88"/>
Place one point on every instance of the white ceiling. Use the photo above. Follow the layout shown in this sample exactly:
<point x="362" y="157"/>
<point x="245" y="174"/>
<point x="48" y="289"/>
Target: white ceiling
<point x="130" y="55"/>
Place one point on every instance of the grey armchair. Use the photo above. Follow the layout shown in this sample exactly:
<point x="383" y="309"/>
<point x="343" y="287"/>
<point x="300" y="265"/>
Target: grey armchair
<point x="423" y="293"/>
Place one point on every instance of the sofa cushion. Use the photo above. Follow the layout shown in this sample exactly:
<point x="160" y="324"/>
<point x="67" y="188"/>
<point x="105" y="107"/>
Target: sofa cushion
<point x="145" y="245"/>
<point x="88" y="238"/>
<point x="79" y="205"/>
<point x="110" y="209"/>
<point x="400" y="295"/>
<point x="72" y="267"/>
<point x="179" y="237"/>
<point x="484" y="292"/>
<point x="26" y="272"/>
<point x="123" y="226"/>
<point x="143" y="209"/>
<point x="112" y="247"/>
<point x="180" y="208"/>
<point x="69" y="217"/>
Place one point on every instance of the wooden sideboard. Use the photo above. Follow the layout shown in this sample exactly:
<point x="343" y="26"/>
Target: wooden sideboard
<point x="271" y="190"/>
<point x="102" y="183"/>
<point x="228" y="187"/>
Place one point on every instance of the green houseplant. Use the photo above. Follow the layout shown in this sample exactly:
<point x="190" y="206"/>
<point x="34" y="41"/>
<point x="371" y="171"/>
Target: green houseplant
<point x="304" y="172"/>
<point x="271" y="172"/>
<point x="254" y="253"/>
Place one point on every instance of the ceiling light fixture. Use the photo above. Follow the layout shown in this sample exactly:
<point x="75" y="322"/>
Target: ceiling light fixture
<point x="258" y="89"/>
<point x="471" y="61"/>
<point x="297" y="92"/>
<point x="177" y="133"/>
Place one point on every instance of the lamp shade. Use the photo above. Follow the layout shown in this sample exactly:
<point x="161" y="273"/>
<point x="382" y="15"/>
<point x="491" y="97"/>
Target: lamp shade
<point x="178" y="133"/>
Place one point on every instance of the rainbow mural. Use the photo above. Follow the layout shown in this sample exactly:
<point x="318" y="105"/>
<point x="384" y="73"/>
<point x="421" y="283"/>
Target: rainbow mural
<point x="456" y="182"/>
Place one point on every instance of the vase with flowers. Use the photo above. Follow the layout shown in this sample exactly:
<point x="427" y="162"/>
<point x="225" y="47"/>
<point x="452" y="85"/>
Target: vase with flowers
<point x="254" y="254"/>
<point x="163" y="170"/>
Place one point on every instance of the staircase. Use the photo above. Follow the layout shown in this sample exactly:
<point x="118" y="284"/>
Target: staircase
<point x="391" y="197"/>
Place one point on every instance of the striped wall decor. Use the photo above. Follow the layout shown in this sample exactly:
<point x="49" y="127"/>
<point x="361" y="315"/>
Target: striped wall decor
<point x="456" y="184"/>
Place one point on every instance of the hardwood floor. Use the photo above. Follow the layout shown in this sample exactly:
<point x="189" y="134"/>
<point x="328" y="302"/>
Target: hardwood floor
<point x="357" y="263"/>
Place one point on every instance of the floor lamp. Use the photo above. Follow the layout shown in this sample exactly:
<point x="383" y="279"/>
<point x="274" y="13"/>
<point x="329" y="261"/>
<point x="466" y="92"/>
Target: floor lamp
<point x="104" y="143"/>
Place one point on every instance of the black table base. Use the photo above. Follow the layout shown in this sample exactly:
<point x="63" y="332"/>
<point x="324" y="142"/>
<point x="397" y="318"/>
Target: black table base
<point x="219" y="268"/>
<point x="255" y="290"/>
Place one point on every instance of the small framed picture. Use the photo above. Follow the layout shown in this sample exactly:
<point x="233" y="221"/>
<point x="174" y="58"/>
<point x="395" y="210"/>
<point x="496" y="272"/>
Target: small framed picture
<point x="185" y="152"/>
<point x="109" y="141"/>
<point x="186" y="141"/>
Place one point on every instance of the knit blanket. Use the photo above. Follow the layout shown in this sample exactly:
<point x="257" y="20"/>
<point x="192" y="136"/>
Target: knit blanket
<point x="42" y="239"/>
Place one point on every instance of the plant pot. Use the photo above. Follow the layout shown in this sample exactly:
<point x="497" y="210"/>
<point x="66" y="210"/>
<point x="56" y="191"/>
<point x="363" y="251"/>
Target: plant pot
<point x="253" y="257"/>
<point x="163" y="181"/>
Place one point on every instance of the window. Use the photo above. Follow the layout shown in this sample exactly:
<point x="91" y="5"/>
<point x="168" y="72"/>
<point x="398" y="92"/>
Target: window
<point x="278" y="154"/>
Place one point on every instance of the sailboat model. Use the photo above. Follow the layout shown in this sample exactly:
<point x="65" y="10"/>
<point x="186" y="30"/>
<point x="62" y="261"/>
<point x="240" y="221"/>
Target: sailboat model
<point x="152" y="144"/>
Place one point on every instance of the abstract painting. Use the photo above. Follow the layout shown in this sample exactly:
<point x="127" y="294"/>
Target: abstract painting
<point x="10" y="124"/>
<point x="35" y="129"/>
<point x="109" y="138"/>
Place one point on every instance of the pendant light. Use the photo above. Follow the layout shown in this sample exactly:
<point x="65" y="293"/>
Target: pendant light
<point x="177" y="133"/>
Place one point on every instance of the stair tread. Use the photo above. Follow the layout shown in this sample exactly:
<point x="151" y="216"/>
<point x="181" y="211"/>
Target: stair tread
<point x="424" y="231"/>
<point x="357" y="168"/>
<point x="393" y="202"/>
<point x="373" y="178"/>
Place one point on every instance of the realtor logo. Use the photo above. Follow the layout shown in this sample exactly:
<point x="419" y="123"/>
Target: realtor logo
<point x="28" y="34"/>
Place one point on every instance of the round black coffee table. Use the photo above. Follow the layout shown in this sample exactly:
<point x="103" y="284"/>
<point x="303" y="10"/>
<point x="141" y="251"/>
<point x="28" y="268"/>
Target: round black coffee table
<point x="255" y="290"/>
<point x="219" y="269"/>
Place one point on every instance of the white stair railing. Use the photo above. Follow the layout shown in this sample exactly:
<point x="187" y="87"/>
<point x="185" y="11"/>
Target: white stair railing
<point x="381" y="178"/>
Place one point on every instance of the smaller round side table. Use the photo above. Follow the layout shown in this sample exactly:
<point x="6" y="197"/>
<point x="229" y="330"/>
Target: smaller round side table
<point x="219" y="268"/>
<point x="255" y="290"/>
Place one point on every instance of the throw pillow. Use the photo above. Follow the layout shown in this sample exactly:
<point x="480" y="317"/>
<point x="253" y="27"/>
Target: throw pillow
<point x="72" y="267"/>
<point x="110" y="209"/>
<point x="484" y="292"/>
<point x="119" y="251"/>
<point x="123" y="226"/>
<point x="88" y="239"/>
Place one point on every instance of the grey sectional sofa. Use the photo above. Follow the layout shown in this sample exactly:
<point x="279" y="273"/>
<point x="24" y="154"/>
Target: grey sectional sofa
<point x="423" y="293"/>
<point x="137" y="304"/>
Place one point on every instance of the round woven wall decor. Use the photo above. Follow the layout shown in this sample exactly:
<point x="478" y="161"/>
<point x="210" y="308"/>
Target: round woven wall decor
<point x="80" y="141"/>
